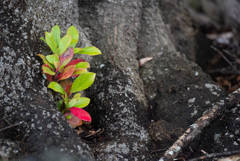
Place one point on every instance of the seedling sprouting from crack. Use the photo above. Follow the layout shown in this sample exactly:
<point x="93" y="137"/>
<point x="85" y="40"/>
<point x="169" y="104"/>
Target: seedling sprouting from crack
<point x="59" y="67"/>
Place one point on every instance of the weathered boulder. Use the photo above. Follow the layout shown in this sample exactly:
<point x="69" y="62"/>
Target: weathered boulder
<point x="140" y="108"/>
<point x="181" y="27"/>
<point x="174" y="91"/>
<point x="178" y="92"/>
<point x="221" y="136"/>
<point x="118" y="103"/>
<point x="24" y="100"/>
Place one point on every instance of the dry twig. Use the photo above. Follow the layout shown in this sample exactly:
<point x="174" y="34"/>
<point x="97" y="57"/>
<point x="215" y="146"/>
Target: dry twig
<point x="225" y="58"/>
<point x="215" y="155"/>
<point x="10" y="126"/>
<point x="201" y="123"/>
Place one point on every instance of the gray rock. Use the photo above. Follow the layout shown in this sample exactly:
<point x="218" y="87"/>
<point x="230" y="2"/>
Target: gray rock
<point x="118" y="102"/>
<point x="24" y="97"/>
<point x="174" y="91"/>
<point x="182" y="33"/>
<point x="140" y="109"/>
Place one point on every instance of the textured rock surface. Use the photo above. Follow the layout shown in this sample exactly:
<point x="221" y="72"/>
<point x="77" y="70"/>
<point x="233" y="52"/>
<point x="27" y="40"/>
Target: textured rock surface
<point x="174" y="92"/>
<point x="223" y="134"/>
<point x="141" y="109"/>
<point x="24" y="97"/>
<point x="178" y="92"/>
<point x="182" y="32"/>
<point x="152" y="24"/>
<point x="119" y="102"/>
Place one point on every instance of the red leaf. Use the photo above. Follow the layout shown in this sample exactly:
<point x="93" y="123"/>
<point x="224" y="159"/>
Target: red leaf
<point x="74" y="121"/>
<point x="46" y="65"/>
<point x="66" y="85"/>
<point x="75" y="75"/>
<point x="75" y="61"/>
<point x="81" y="113"/>
<point x="67" y="72"/>
<point x="65" y="58"/>
<point x="67" y="54"/>
<point x="49" y="77"/>
<point x="59" y="75"/>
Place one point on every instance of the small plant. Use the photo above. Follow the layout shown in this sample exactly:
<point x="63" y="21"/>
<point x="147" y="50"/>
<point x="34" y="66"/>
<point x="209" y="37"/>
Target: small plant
<point x="59" y="67"/>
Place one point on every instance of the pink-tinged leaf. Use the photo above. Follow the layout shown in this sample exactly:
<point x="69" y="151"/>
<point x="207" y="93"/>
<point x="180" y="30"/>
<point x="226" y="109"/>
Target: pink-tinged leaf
<point x="56" y="64"/>
<point x="47" y="70"/>
<point x="75" y="61"/>
<point x="75" y="75"/>
<point x="60" y="70"/>
<point x="73" y="121"/>
<point x="67" y="72"/>
<point x="67" y="54"/>
<point x="81" y="114"/>
<point x="66" y="85"/>
<point x="58" y="75"/>
<point x="46" y="65"/>
<point x="66" y="57"/>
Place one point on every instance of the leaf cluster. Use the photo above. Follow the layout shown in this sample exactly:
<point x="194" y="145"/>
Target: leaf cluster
<point x="60" y="66"/>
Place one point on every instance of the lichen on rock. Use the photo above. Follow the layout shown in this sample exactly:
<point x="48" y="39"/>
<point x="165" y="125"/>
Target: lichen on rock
<point x="24" y="97"/>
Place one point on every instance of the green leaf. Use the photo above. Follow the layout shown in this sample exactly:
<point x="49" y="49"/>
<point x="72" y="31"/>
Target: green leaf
<point x="82" y="102"/>
<point x="72" y="103"/>
<point x="56" y="64"/>
<point x="43" y="58"/>
<point x="64" y="43"/>
<point x="73" y="43"/>
<point x="65" y="98"/>
<point x="51" y="42"/>
<point x="43" y="39"/>
<point x="52" y="59"/>
<point x="59" y="104"/>
<point x="46" y="69"/>
<point x="51" y="66"/>
<point x="69" y="117"/>
<point x="82" y="82"/>
<point x="83" y="65"/>
<point x="77" y="96"/>
<point x="75" y="50"/>
<point x="56" y="87"/>
<point x="89" y="51"/>
<point x="56" y="34"/>
<point x="75" y="36"/>
<point x="78" y="71"/>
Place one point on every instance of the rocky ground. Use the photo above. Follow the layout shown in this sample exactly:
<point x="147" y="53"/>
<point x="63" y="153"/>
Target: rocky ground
<point x="138" y="111"/>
